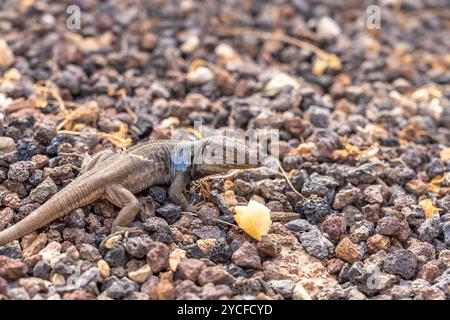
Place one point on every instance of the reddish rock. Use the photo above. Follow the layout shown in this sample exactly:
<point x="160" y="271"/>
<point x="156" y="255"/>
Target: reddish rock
<point x="268" y="245"/>
<point x="78" y="295"/>
<point x="162" y="291"/>
<point x="378" y="242"/>
<point x="334" y="226"/>
<point x="215" y="275"/>
<point x="430" y="271"/>
<point x="247" y="256"/>
<point x="335" y="265"/>
<point x="189" y="269"/>
<point x="158" y="257"/>
<point x="348" y="251"/>
<point x="11" y="269"/>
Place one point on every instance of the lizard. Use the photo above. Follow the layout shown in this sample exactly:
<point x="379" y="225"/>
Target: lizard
<point x="117" y="175"/>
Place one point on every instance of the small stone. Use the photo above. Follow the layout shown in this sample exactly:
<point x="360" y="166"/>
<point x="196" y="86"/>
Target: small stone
<point x="138" y="247"/>
<point x="327" y="28"/>
<point x="348" y="251"/>
<point x="116" y="289"/>
<point x="299" y="225"/>
<point x="21" y="170"/>
<point x="89" y="253"/>
<point x="268" y="246"/>
<point x="43" y="191"/>
<point x="116" y="256"/>
<point x="175" y="258"/>
<point x="34" y="285"/>
<point x="51" y="251"/>
<point x="221" y="252"/>
<point x="58" y="279"/>
<point x="158" y="194"/>
<point x="190" y="269"/>
<point x="316" y="244"/>
<point x="18" y="294"/>
<point x="388" y="226"/>
<point x="206" y="245"/>
<point x="215" y="275"/>
<point x="430" y="271"/>
<point x="446" y="231"/>
<point x="159" y="230"/>
<point x="141" y="274"/>
<point x="34" y="247"/>
<point x="334" y="226"/>
<point x="78" y="295"/>
<point x="316" y="210"/>
<point x="378" y="242"/>
<point x="6" y="216"/>
<point x="283" y="287"/>
<point x="268" y="188"/>
<point x="164" y="290"/>
<point x="11" y="269"/>
<point x="243" y="188"/>
<point x="373" y="194"/>
<point x="366" y="173"/>
<point x="300" y="293"/>
<point x="247" y="256"/>
<point x="158" y="257"/>
<point x="103" y="268"/>
<point x="41" y="270"/>
<point x="401" y="262"/>
<point x="6" y="55"/>
<point x="209" y="232"/>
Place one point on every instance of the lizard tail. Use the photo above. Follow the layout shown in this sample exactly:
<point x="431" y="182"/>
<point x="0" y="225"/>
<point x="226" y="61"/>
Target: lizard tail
<point x="75" y="195"/>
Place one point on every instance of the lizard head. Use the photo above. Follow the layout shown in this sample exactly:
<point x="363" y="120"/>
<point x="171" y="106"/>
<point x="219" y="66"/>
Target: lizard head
<point x="220" y="154"/>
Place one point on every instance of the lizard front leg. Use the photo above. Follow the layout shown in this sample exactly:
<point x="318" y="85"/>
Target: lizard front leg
<point x="176" y="191"/>
<point x="88" y="162"/>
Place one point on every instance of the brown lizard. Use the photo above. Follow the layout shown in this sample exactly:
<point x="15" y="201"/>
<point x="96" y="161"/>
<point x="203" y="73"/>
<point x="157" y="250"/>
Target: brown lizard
<point x="116" y="176"/>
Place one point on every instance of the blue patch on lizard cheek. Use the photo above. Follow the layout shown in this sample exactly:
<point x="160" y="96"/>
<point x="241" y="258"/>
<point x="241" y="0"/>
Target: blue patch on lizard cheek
<point x="178" y="161"/>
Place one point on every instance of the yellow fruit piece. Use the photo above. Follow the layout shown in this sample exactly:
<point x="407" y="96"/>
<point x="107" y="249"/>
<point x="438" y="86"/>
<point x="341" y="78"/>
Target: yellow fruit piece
<point x="254" y="219"/>
<point x="429" y="208"/>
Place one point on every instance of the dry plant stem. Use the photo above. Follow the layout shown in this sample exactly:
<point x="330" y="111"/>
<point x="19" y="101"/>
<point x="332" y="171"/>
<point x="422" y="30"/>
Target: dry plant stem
<point x="281" y="37"/>
<point x="213" y="219"/>
<point x="123" y="95"/>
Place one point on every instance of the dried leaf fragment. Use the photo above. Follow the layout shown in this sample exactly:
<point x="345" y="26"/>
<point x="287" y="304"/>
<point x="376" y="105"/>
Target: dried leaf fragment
<point x="429" y="209"/>
<point x="254" y="219"/>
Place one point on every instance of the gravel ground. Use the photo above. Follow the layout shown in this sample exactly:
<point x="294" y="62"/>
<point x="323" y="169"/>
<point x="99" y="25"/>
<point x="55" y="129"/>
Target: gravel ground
<point x="364" y="125"/>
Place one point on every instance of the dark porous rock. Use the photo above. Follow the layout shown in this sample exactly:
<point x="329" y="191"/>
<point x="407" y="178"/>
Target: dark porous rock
<point x="333" y="226"/>
<point x="12" y="269"/>
<point x="159" y="230"/>
<point x="209" y="232"/>
<point x="43" y="191"/>
<point x="435" y="167"/>
<point x="243" y="188"/>
<point x="268" y="188"/>
<point x="316" y="244"/>
<point x="446" y="231"/>
<point x="189" y="269"/>
<point x="388" y="226"/>
<point x="118" y="288"/>
<point x="216" y="198"/>
<point x="193" y="251"/>
<point x="27" y="148"/>
<point x="221" y="252"/>
<point x="158" y="257"/>
<point x="170" y="212"/>
<point x="311" y="187"/>
<point x="215" y="275"/>
<point x="299" y="225"/>
<point x="116" y="256"/>
<point x="41" y="270"/>
<point x="402" y="262"/>
<point x="236" y="271"/>
<point x="366" y="173"/>
<point x="251" y="286"/>
<point x="430" y="229"/>
<point x="247" y="256"/>
<point x="138" y="247"/>
<point x="21" y="170"/>
<point x="158" y="194"/>
<point x="316" y="210"/>
<point x="76" y="219"/>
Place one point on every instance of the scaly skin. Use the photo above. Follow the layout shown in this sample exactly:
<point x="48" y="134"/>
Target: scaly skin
<point x="117" y="176"/>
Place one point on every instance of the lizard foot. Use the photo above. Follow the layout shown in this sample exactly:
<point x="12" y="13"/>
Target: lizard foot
<point x="193" y="208"/>
<point x="118" y="234"/>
